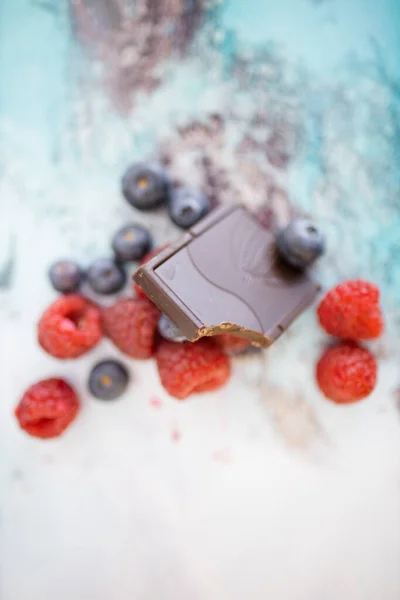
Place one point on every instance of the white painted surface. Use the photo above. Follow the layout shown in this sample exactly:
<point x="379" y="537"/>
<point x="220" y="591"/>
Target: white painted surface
<point x="262" y="491"/>
<point x="261" y="495"/>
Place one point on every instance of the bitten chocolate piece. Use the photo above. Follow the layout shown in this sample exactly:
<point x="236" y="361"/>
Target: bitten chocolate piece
<point x="225" y="276"/>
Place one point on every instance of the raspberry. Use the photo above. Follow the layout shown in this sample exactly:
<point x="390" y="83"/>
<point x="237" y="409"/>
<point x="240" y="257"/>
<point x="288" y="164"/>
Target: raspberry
<point x="47" y="408"/>
<point x="351" y="311"/>
<point x="346" y="373"/>
<point x="70" y="327"/>
<point x="231" y="343"/>
<point x="191" y="368"/>
<point x="131" y="324"/>
<point x="139" y="292"/>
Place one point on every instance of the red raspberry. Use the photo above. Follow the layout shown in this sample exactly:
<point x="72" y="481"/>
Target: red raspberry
<point x="131" y="324"/>
<point x="231" y="343"/>
<point x="70" y="327"/>
<point x="351" y="311"/>
<point x="191" y="368"/>
<point x="346" y="373"/>
<point x="47" y="408"/>
<point x="139" y="292"/>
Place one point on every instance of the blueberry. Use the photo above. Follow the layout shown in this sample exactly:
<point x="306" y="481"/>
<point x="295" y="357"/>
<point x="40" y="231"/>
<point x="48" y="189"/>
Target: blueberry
<point x="108" y="380"/>
<point x="169" y="331"/>
<point x="65" y="276"/>
<point x="300" y="243"/>
<point x="187" y="206"/>
<point x="145" y="186"/>
<point x="106" y="276"/>
<point x="131" y="242"/>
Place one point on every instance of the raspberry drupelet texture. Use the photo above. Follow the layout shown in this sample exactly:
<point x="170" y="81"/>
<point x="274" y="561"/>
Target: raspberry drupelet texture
<point x="69" y="327"/>
<point x="47" y="408"/>
<point x="232" y="344"/>
<point x="346" y="373"/>
<point x="131" y="325"/>
<point x="351" y="311"/>
<point x="192" y="368"/>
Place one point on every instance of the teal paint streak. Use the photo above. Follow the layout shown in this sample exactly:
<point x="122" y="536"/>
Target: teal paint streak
<point x="345" y="48"/>
<point x="336" y="42"/>
<point x="34" y="44"/>
<point x="321" y="33"/>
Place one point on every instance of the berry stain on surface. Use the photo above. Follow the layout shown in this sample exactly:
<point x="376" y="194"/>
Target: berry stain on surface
<point x="155" y="402"/>
<point x="176" y="435"/>
<point x="223" y="456"/>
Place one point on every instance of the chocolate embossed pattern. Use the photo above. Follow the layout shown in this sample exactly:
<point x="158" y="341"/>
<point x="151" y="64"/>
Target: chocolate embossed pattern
<point x="252" y="250"/>
<point x="224" y="275"/>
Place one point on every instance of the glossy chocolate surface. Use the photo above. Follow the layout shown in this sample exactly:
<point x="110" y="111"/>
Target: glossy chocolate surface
<point x="225" y="276"/>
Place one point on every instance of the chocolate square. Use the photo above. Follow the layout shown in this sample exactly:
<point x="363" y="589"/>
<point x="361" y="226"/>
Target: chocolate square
<point x="225" y="276"/>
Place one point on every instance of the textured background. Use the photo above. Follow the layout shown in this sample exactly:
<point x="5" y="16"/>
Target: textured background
<point x="264" y="489"/>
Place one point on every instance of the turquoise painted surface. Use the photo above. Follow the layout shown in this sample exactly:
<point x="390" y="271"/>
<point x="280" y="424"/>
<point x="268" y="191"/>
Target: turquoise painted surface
<point x="322" y="33"/>
<point x="34" y="48"/>
<point x="336" y="62"/>
<point x="321" y="79"/>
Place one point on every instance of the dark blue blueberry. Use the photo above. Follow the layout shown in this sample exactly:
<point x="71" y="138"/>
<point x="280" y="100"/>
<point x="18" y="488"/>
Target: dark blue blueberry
<point x="145" y="186"/>
<point x="169" y="331"/>
<point x="187" y="206"/>
<point x="65" y="276"/>
<point x="106" y="276"/>
<point x="300" y="243"/>
<point x="108" y="380"/>
<point x="131" y="242"/>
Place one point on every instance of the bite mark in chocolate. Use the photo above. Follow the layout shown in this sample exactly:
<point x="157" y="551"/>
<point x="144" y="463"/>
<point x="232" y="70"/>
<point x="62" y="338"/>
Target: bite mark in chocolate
<point x="225" y="276"/>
